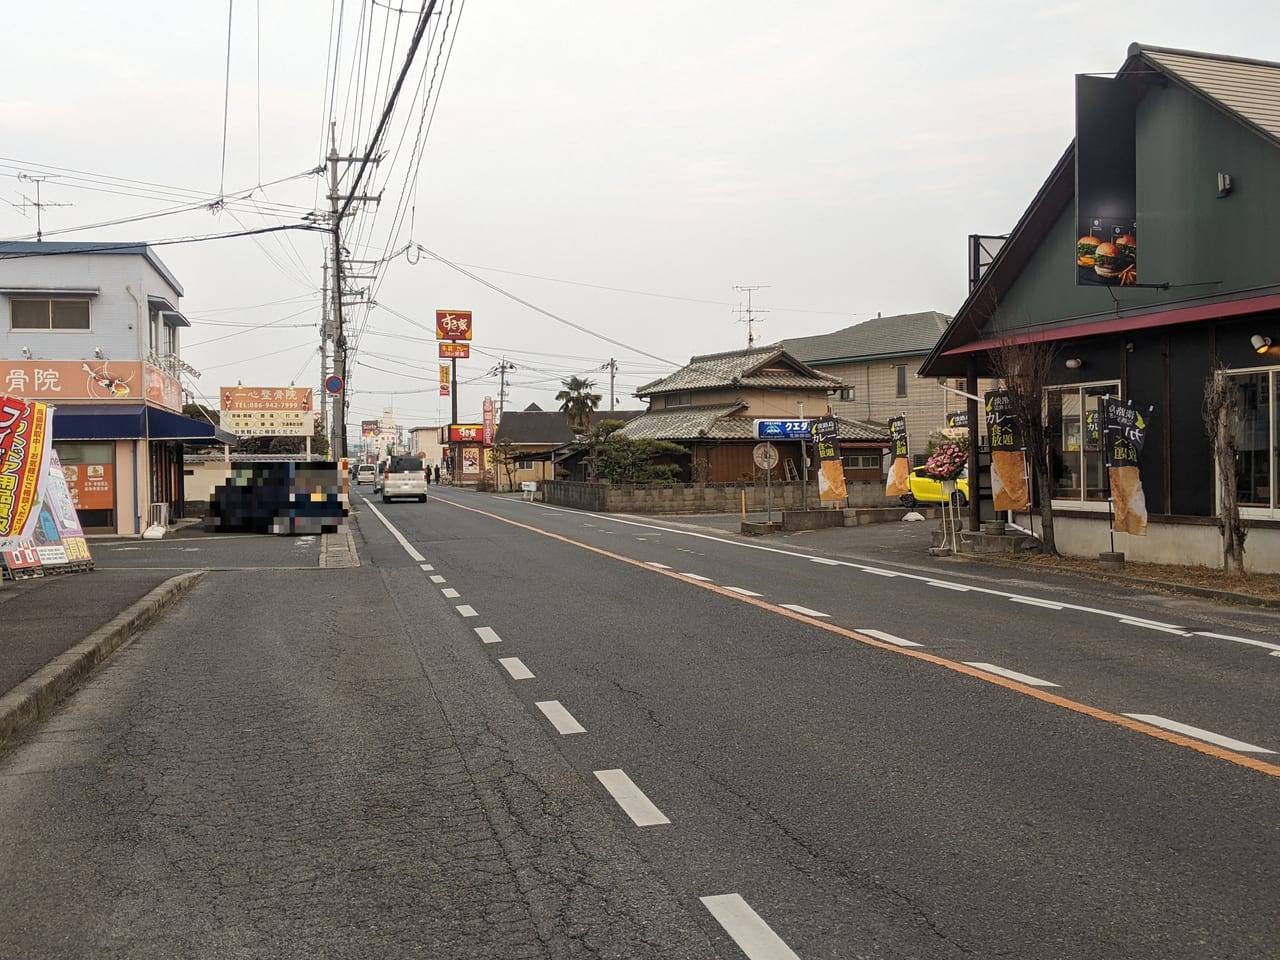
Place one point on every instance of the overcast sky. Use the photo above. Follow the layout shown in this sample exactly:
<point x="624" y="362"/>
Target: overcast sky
<point x="620" y="166"/>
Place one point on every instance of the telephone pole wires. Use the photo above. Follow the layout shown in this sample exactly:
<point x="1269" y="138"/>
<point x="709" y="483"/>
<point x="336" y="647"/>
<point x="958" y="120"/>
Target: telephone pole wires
<point x="612" y="367"/>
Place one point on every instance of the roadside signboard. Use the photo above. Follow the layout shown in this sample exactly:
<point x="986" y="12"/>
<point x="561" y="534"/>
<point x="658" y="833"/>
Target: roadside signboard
<point x="452" y="350"/>
<point x="488" y="421"/>
<point x="26" y="443"/>
<point x="782" y="429"/>
<point x="268" y="411"/>
<point x="898" y="482"/>
<point x="826" y="439"/>
<point x="453" y="324"/>
<point x="466" y="432"/>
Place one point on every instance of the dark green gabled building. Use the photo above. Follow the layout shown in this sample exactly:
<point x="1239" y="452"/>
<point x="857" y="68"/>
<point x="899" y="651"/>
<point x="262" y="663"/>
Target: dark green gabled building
<point x="1182" y="151"/>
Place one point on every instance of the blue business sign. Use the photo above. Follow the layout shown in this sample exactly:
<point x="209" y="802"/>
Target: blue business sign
<point x="782" y="429"/>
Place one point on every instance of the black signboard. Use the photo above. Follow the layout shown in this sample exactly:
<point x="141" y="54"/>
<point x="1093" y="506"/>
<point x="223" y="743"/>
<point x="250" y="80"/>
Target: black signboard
<point x="1106" y="182"/>
<point x="1003" y="431"/>
<point x="1126" y="429"/>
<point x="826" y="434"/>
<point x="957" y="420"/>
<point x="898" y="436"/>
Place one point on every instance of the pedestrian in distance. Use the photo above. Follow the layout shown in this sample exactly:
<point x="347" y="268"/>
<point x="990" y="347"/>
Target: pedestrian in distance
<point x="437" y="473"/>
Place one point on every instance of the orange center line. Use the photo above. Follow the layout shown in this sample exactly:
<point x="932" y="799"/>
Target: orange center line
<point x="1137" y="726"/>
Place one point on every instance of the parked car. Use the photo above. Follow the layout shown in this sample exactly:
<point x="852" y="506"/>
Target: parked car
<point x="927" y="489"/>
<point x="404" y="476"/>
<point x="366" y="473"/>
<point x="378" y="471"/>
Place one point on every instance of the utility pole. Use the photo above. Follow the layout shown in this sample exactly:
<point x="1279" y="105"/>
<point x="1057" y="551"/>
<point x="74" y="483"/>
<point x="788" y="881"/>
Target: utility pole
<point x="27" y="201"/>
<point x="326" y="334"/>
<point x="747" y="315"/>
<point x="612" y="367"/>
<point x="500" y="371"/>
<point x="336" y="213"/>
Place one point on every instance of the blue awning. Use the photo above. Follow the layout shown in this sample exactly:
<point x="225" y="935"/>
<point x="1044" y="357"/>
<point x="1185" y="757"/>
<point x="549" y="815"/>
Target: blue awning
<point x="132" y="421"/>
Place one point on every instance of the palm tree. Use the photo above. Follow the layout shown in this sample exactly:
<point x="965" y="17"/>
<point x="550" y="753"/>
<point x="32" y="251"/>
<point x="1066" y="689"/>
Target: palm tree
<point x="577" y="402"/>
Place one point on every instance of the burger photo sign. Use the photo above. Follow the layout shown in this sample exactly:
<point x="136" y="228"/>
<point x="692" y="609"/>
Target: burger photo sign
<point x="1108" y="255"/>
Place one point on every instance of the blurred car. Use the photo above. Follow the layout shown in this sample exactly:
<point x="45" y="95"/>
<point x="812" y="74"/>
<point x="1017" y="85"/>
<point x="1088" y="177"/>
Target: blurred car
<point x="927" y="489"/>
<point x="404" y="476"/>
<point x="366" y="473"/>
<point x="377" y="475"/>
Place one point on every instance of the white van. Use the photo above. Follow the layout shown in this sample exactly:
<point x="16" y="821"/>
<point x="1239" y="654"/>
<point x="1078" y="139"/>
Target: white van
<point x="404" y="476"/>
<point x="366" y="473"/>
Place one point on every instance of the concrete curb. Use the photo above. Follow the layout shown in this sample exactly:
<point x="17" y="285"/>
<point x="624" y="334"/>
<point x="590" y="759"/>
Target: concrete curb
<point x="33" y="697"/>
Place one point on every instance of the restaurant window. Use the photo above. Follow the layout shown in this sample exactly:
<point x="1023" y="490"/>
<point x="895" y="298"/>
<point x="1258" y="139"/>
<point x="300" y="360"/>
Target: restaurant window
<point x="49" y="314"/>
<point x="1074" y="422"/>
<point x="902" y="381"/>
<point x="1257" y="456"/>
<point x="90" y="469"/>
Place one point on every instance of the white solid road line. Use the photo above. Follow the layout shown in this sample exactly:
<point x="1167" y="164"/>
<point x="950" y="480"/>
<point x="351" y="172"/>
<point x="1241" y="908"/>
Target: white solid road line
<point x="1275" y="648"/>
<point x="748" y="929"/>
<point x="878" y="572"/>
<point x="408" y="547"/>
<point x="696" y="576"/>
<point x="451" y="593"/>
<point x="824" y="560"/>
<point x="488" y="635"/>
<point x="745" y="592"/>
<point x="1030" y="681"/>
<point x="1033" y="602"/>
<point x="1205" y="735"/>
<point x="515" y="666"/>
<point x="436" y="578"/>
<point x="887" y="637"/>
<point x="560" y="718"/>
<point x="467" y="610"/>
<point x="795" y="607"/>
<point x="631" y="799"/>
<point x="1151" y="625"/>
<point x="958" y="587"/>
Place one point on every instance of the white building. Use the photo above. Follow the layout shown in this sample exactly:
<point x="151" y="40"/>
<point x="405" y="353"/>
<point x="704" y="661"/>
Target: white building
<point x="94" y="330"/>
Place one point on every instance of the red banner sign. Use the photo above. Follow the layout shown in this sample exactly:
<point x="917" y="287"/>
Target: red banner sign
<point x="449" y="350"/>
<point x="453" y="324"/>
<point x="488" y="421"/>
<point x="466" y="432"/>
<point x="25" y="445"/>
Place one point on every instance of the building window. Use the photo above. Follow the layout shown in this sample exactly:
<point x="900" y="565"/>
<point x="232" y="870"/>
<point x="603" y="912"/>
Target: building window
<point x="49" y="314"/>
<point x="848" y="393"/>
<point x="679" y="399"/>
<point x="902" y="381"/>
<point x="524" y="464"/>
<point x="1257" y="446"/>
<point x="1075" y="424"/>
<point x="862" y="461"/>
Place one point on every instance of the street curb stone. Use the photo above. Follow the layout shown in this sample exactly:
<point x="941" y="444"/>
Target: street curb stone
<point x="32" y="698"/>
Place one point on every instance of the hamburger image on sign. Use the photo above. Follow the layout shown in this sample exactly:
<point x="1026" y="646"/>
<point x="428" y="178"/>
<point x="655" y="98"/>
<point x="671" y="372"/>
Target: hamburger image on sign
<point x="1108" y="261"/>
<point x="1085" y="250"/>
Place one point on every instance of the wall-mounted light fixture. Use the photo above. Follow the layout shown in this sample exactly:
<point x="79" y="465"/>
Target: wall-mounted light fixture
<point x="26" y="353"/>
<point x="1074" y="363"/>
<point x="1260" y="343"/>
<point x="1225" y="186"/>
<point x="97" y="353"/>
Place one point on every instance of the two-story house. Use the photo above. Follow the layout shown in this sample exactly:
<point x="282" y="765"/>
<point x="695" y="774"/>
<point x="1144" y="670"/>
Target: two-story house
<point x="877" y="363"/>
<point x="94" y="330"/>
<point x="710" y="406"/>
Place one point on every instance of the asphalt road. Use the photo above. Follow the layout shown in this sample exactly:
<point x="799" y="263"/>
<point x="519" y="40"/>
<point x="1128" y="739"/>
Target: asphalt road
<point x="517" y="731"/>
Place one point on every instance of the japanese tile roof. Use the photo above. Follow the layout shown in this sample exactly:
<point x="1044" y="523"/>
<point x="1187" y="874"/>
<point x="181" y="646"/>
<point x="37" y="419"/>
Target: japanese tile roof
<point x="906" y="334"/>
<point x="762" y="368"/>
<point x="725" y="422"/>
<point x="548" y="426"/>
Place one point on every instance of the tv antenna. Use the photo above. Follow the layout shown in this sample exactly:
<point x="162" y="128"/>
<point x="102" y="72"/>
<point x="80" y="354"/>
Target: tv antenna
<point x="37" y="202"/>
<point x="747" y="314"/>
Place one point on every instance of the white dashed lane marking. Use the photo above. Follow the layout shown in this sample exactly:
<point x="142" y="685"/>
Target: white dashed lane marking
<point x="451" y="593"/>
<point x="1033" y="602"/>
<point x="515" y="666"/>
<point x="488" y="635"/>
<point x="888" y="637"/>
<point x="560" y="718"/>
<point x="697" y="576"/>
<point x="958" y="587"/>
<point x="631" y="799"/>
<point x="1163" y="628"/>
<point x="427" y="566"/>
<point x="747" y="928"/>
<point x="660" y="566"/>
<point x="467" y="610"/>
<point x="744" y="591"/>
<point x="1273" y="647"/>
<point x="436" y="578"/>
<point x="1029" y="680"/>
<point x="824" y="560"/>
<point x="795" y="607"/>
<point x="1207" y="736"/>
